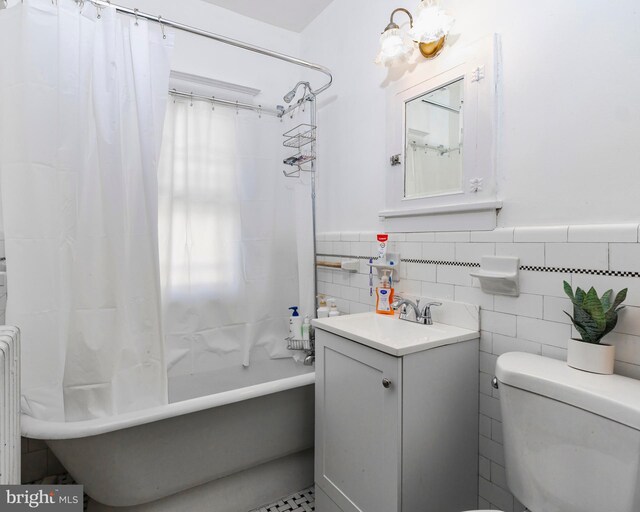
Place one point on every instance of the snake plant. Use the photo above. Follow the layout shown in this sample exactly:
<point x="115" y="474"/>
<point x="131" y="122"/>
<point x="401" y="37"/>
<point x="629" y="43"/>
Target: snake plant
<point x="594" y="317"/>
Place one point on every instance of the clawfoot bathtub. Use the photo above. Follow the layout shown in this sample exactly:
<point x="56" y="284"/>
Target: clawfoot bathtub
<point x="207" y="450"/>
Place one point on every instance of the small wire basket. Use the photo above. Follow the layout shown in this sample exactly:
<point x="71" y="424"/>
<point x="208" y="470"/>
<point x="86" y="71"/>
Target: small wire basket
<point x="299" y="136"/>
<point x="296" y="344"/>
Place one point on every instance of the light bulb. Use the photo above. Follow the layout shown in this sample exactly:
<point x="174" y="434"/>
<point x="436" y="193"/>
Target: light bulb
<point x="431" y="23"/>
<point x="395" y="47"/>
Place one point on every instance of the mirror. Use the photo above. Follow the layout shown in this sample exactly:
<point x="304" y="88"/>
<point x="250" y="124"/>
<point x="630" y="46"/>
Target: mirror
<point x="433" y="142"/>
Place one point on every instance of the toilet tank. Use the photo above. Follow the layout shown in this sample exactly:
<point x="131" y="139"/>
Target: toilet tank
<point x="571" y="438"/>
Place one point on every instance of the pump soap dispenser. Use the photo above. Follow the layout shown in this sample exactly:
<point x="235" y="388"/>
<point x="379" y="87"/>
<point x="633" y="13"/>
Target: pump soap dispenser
<point x="295" y="324"/>
<point x="384" y="295"/>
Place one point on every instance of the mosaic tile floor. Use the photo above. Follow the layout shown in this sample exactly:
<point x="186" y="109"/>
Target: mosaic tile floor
<point x="301" y="501"/>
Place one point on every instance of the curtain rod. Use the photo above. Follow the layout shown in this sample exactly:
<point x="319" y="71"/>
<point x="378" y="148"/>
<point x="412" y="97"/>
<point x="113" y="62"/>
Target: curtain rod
<point x="236" y="104"/>
<point x="221" y="39"/>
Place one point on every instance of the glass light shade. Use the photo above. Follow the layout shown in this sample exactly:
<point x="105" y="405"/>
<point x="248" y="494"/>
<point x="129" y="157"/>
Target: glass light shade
<point x="395" y="46"/>
<point x="430" y="23"/>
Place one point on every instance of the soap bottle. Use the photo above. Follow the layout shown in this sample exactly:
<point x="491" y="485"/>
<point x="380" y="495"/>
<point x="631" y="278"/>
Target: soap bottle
<point x="384" y="295"/>
<point x="295" y="324"/>
<point x="333" y="310"/>
<point x="306" y="333"/>
<point x="323" y="310"/>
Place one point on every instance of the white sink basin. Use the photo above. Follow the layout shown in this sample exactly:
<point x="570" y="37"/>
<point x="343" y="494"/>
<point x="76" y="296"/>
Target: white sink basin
<point x="392" y="335"/>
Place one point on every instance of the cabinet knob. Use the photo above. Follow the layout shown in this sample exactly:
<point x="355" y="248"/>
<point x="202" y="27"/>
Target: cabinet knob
<point x="386" y="383"/>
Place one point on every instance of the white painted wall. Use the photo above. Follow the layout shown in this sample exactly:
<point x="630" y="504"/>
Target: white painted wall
<point x="200" y="56"/>
<point x="570" y="69"/>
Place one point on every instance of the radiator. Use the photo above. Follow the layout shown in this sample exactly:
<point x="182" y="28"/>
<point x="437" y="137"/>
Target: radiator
<point x="9" y="405"/>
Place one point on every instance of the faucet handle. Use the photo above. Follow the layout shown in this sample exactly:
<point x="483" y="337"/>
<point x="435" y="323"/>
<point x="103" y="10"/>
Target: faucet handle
<point x="429" y="305"/>
<point x="401" y="304"/>
<point x="397" y="302"/>
<point x="426" y="312"/>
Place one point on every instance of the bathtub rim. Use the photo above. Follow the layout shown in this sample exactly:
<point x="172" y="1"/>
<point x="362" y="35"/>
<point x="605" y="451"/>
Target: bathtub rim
<point x="58" y="430"/>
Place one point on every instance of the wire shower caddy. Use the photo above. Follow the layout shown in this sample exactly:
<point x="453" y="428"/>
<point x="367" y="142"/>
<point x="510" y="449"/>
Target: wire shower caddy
<point x="301" y="138"/>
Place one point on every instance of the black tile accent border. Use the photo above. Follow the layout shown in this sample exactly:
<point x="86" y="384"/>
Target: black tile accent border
<point x="439" y="262"/>
<point x="529" y="268"/>
<point x="614" y="273"/>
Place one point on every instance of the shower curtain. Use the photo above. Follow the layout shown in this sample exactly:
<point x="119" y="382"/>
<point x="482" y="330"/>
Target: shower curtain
<point x="228" y="253"/>
<point x="82" y="99"/>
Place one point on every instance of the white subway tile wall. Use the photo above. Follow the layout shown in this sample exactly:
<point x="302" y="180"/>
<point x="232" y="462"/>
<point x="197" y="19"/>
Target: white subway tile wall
<point x="533" y="322"/>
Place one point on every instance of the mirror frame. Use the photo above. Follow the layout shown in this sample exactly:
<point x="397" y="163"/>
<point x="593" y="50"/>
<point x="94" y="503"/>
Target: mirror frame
<point x="475" y="207"/>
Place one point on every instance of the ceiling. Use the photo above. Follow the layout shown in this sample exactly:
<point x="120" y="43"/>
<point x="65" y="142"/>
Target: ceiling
<point x="292" y="15"/>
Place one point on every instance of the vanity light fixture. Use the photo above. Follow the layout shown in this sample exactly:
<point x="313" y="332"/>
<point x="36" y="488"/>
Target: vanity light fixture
<point x="428" y="30"/>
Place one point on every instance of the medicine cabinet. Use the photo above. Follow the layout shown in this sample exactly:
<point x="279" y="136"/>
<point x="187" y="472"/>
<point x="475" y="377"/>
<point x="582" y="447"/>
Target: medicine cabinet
<point x="441" y="141"/>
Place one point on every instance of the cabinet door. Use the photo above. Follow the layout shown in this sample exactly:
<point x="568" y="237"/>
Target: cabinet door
<point x="358" y="425"/>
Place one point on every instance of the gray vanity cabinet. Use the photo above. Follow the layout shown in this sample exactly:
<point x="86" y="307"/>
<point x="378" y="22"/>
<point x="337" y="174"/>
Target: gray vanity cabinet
<point x="395" y="433"/>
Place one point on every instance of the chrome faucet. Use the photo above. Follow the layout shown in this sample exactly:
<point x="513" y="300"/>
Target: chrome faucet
<point x="421" y="317"/>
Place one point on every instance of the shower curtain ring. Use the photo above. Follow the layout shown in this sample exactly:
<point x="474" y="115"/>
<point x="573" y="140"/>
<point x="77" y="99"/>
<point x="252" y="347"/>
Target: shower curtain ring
<point x="259" y="111"/>
<point x="98" y="15"/>
<point x="135" y="13"/>
<point x="164" y="36"/>
<point x="191" y="100"/>
<point x="237" y="108"/>
<point x="213" y="103"/>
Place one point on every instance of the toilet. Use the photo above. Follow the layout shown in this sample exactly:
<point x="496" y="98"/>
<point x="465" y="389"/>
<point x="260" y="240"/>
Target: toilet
<point x="571" y="438"/>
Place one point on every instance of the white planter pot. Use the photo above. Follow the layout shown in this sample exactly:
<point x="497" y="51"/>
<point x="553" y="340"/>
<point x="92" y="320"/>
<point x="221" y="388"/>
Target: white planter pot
<point x="591" y="357"/>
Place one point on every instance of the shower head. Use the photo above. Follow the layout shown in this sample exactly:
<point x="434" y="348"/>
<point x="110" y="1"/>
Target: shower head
<point x="288" y="98"/>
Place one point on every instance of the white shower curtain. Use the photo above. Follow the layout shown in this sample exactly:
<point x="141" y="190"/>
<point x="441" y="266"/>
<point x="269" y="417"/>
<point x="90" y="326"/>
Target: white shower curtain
<point x="228" y="252"/>
<point x="82" y="104"/>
